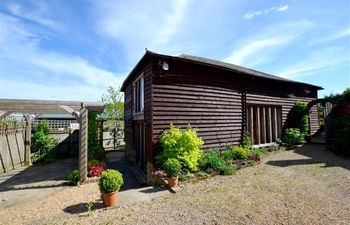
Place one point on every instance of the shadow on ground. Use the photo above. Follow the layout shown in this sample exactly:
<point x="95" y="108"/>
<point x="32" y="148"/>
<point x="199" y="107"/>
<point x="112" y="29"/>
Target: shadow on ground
<point x="317" y="153"/>
<point x="38" y="176"/>
<point x="83" y="207"/>
<point x="116" y="160"/>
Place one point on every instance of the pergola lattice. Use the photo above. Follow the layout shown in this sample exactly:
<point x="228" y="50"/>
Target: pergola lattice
<point x="78" y="109"/>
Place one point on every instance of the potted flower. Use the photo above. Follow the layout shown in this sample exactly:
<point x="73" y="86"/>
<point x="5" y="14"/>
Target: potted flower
<point x="172" y="168"/>
<point x="109" y="184"/>
<point x="158" y="175"/>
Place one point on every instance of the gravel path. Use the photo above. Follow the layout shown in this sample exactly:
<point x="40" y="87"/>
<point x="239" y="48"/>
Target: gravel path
<point x="305" y="186"/>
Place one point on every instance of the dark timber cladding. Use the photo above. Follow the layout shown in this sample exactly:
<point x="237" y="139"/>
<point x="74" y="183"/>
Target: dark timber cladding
<point x="221" y="100"/>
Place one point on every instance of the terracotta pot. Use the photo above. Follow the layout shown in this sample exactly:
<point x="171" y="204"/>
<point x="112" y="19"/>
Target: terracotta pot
<point x="110" y="199"/>
<point x="173" y="181"/>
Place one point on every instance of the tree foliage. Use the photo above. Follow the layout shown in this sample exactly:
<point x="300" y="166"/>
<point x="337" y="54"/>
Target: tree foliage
<point x="114" y="106"/>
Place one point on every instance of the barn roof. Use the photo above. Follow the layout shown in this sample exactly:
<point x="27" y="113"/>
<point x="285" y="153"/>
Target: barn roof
<point x="216" y="64"/>
<point x="28" y="106"/>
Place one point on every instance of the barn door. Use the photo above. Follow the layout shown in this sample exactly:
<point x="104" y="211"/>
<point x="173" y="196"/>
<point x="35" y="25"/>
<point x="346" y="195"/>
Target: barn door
<point x="140" y="145"/>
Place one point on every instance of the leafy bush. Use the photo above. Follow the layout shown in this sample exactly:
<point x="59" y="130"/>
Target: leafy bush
<point x="258" y="154"/>
<point x="298" y="118"/>
<point x="341" y="132"/>
<point x="293" y="136"/>
<point x="110" y="181"/>
<point x="43" y="145"/>
<point x="212" y="162"/>
<point x="184" y="146"/>
<point x="185" y="175"/>
<point x="236" y="152"/>
<point x="172" y="167"/>
<point x="73" y="177"/>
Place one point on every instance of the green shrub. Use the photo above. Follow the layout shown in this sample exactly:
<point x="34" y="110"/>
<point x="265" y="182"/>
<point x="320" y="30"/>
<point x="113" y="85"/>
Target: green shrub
<point x="293" y="136"/>
<point x="73" y="177"/>
<point x="260" y="152"/>
<point x="212" y="162"/>
<point x="43" y="145"/>
<point x="298" y="117"/>
<point x="184" y="146"/>
<point x="185" y="176"/>
<point x="340" y="128"/>
<point x="228" y="169"/>
<point x="172" y="167"/>
<point x="239" y="152"/>
<point x="110" y="181"/>
<point x="227" y="154"/>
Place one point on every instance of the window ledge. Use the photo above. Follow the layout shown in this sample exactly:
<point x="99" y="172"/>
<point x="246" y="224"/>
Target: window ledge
<point x="138" y="116"/>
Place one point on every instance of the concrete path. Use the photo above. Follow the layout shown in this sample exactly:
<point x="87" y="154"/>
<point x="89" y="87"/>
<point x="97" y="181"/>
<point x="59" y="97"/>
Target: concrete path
<point x="31" y="184"/>
<point x="131" y="191"/>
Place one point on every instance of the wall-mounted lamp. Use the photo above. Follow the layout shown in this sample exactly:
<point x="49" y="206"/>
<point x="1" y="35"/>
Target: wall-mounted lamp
<point x="164" y="65"/>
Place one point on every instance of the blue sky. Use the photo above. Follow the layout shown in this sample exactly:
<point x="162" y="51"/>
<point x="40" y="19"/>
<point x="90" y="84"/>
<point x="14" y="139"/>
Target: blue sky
<point x="73" y="50"/>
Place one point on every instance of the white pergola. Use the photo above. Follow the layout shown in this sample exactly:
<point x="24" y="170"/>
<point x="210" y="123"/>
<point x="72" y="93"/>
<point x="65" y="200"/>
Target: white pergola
<point x="78" y="109"/>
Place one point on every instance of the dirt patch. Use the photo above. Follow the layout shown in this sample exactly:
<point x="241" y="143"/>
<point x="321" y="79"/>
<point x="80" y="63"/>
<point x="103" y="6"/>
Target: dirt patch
<point x="304" y="186"/>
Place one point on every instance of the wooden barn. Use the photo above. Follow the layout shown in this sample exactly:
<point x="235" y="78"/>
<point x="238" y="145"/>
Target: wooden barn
<point x="217" y="98"/>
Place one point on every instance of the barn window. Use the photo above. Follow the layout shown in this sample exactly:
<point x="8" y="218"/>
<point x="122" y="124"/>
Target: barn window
<point x="138" y="94"/>
<point x="264" y="123"/>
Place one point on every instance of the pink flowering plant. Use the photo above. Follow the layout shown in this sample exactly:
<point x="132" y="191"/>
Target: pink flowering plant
<point x="158" y="172"/>
<point x="95" y="168"/>
<point x="95" y="171"/>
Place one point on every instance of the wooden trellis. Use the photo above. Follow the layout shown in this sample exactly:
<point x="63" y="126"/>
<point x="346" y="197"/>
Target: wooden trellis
<point x="78" y="109"/>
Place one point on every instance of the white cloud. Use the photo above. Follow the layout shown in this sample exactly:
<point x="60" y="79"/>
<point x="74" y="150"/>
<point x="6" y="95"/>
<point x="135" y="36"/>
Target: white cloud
<point x="323" y="59"/>
<point x="39" y="14"/>
<point x="137" y="24"/>
<point x="46" y="73"/>
<point x="334" y="36"/>
<point x="259" y="48"/>
<point x="282" y="8"/>
<point x="250" y="15"/>
<point x="241" y="55"/>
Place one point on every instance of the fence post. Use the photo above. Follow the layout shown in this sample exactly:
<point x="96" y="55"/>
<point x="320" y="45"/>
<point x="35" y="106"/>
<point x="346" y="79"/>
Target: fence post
<point x="83" y="144"/>
<point x="27" y="141"/>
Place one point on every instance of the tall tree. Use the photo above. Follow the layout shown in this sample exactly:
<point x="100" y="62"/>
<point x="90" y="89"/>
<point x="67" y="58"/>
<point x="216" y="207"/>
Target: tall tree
<point x="114" y="108"/>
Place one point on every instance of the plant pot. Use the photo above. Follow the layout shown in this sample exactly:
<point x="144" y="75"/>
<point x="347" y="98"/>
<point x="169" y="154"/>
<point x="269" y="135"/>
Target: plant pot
<point x="157" y="181"/>
<point x="173" y="181"/>
<point x="110" y="199"/>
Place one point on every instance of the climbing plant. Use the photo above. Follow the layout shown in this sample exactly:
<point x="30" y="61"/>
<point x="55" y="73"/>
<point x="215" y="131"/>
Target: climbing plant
<point x="95" y="151"/>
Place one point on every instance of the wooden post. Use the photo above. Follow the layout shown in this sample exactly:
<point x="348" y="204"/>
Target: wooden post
<point x="27" y="140"/>
<point x="83" y="144"/>
<point x="251" y="124"/>
<point x="258" y="136"/>
<point x="263" y="123"/>
<point x="276" y="122"/>
<point x="269" y="125"/>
